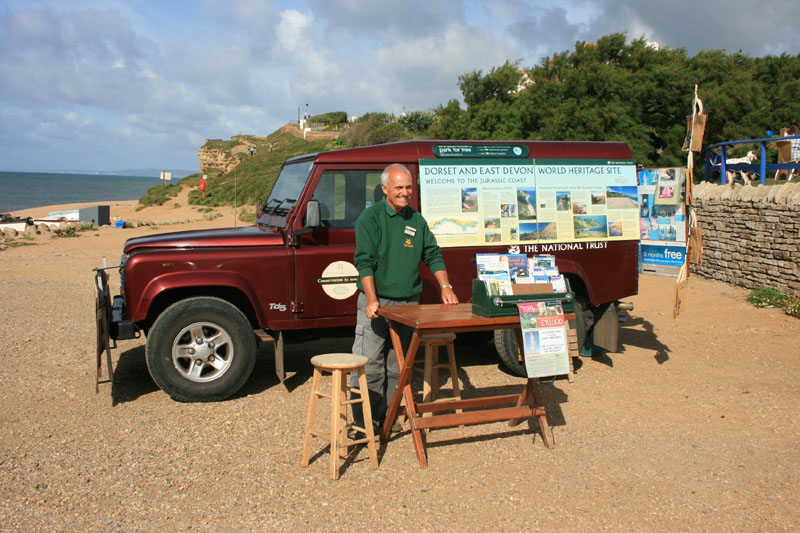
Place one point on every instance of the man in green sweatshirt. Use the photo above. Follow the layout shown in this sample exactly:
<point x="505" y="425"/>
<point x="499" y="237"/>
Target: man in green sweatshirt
<point x="391" y="240"/>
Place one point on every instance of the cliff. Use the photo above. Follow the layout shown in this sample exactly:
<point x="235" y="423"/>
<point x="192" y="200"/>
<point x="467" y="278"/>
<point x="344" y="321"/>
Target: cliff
<point x="220" y="157"/>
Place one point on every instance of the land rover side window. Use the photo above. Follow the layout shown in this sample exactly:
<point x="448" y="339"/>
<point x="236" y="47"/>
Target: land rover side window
<point x="344" y="194"/>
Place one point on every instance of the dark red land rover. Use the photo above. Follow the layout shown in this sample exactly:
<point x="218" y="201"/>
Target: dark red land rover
<point x="204" y="298"/>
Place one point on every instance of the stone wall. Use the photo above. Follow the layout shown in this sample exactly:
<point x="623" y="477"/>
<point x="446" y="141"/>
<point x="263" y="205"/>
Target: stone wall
<point x="751" y="235"/>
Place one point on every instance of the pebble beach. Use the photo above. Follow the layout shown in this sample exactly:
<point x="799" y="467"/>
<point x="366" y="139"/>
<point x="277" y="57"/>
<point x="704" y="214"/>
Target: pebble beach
<point x="692" y="426"/>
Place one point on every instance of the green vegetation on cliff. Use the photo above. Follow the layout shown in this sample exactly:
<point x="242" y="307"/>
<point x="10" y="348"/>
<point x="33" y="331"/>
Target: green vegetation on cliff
<point x="159" y="194"/>
<point x="334" y="118"/>
<point x="253" y="177"/>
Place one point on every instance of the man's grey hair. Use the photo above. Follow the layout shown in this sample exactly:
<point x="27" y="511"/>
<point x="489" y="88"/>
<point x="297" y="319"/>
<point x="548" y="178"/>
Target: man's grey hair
<point x="389" y="169"/>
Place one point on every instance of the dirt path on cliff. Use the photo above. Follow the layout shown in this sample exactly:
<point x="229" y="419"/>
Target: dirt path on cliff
<point x="692" y="426"/>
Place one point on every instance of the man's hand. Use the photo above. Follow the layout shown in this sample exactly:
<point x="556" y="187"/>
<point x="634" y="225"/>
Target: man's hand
<point x="368" y="284"/>
<point x="372" y="309"/>
<point x="449" y="297"/>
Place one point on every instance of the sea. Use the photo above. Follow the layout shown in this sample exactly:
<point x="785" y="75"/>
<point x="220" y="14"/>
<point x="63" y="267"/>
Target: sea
<point x="24" y="190"/>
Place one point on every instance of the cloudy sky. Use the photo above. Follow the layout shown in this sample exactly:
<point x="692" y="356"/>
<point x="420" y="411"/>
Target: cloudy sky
<point x="108" y="85"/>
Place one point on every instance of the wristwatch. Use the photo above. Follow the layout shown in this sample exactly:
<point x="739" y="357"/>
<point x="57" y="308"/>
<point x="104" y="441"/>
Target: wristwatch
<point x="448" y="286"/>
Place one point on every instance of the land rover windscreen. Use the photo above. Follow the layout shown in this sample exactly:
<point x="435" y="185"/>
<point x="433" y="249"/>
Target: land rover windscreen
<point x="286" y="192"/>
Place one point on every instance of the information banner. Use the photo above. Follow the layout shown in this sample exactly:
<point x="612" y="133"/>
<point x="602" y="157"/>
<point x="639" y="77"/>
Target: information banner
<point x="508" y="201"/>
<point x="474" y="150"/>
<point x="663" y="255"/>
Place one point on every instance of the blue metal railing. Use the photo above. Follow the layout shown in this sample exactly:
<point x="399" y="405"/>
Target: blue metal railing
<point x="716" y="159"/>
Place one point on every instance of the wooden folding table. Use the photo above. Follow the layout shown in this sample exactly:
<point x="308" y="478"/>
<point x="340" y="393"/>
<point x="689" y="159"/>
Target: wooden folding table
<point x="440" y="318"/>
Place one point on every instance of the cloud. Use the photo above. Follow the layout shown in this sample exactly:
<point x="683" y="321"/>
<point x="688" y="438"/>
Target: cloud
<point x="367" y="18"/>
<point x="362" y="56"/>
<point x="73" y="68"/>
<point x="422" y="73"/>
<point x="545" y="32"/>
<point x="766" y="28"/>
<point x="148" y="80"/>
<point x="250" y="20"/>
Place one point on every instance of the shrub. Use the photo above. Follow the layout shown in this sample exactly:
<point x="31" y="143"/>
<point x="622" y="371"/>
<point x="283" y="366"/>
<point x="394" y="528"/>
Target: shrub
<point x="70" y="231"/>
<point x="767" y="297"/>
<point x="375" y="128"/>
<point x="417" y="121"/>
<point x="159" y="194"/>
<point x="330" y="119"/>
<point x="248" y="217"/>
<point x="792" y="308"/>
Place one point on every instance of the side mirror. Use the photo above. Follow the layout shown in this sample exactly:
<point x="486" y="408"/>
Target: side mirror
<point x="312" y="214"/>
<point x="311" y="221"/>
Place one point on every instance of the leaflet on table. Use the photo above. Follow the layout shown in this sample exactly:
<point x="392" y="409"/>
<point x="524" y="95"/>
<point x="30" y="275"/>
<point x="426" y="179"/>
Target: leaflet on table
<point x="492" y="263"/>
<point x="513" y="264"/>
<point x="558" y="283"/>
<point x="544" y="334"/>
<point x="541" y="261"/>
<point x="549" y="271"/>
<point x="497" y="284"/>
<point x="486" y="202"/>
<point x="517" y="265"/>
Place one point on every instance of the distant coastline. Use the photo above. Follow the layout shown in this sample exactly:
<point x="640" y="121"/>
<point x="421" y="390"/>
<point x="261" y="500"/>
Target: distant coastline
<point x="128" y="172"/>
<point x="25" y="190"/>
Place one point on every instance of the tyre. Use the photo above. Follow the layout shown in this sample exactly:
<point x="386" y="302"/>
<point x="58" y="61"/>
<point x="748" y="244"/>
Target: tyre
<point x="201" y="350"/>
<point x="505" y="342"/>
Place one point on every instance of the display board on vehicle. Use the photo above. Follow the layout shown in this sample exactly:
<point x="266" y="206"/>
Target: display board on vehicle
<point x="511" y="201"/>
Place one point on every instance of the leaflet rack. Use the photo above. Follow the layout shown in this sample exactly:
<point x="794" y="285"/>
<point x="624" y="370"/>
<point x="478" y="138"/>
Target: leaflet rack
<point x="486" y="305"/>
<point x="491" y="306"/>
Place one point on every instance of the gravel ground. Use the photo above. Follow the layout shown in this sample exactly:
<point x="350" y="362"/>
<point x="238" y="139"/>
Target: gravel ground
<point x="692" y="426"/>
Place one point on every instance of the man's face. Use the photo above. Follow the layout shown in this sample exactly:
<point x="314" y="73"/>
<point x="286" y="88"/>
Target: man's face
<point x="398" y="189"/>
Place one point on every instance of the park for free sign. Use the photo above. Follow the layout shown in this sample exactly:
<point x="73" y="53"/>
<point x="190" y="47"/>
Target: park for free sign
<point x="488" y="201"/>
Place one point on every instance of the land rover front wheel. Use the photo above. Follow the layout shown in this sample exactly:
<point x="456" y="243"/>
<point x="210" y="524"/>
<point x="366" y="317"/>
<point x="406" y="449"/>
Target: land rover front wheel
<point x="201" y="350"/>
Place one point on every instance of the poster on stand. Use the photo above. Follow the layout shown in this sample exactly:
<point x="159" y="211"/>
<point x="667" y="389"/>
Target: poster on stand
<point x="544" y="336"/>
<point x="662" y="220"/>
<point x="512" y="201"/>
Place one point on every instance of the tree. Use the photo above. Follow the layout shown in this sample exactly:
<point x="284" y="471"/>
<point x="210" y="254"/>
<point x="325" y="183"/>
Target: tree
<point x="451" y="122"/>
<point x="417" y="121"/>
<point x="375" y="128"/>
<point x="627" y="91"/>
<point x="500" y="84"/>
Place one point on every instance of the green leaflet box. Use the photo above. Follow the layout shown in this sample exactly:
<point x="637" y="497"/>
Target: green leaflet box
<point x="484" y="304"/>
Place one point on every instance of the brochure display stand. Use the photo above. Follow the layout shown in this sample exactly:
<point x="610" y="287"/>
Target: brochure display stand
<point x="487" y="305"/>
<point x="484" y="304"/>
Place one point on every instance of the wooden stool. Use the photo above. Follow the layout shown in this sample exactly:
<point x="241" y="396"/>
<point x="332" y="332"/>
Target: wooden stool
<point x="430" y="388"/>
<point x="340" y="365"/>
